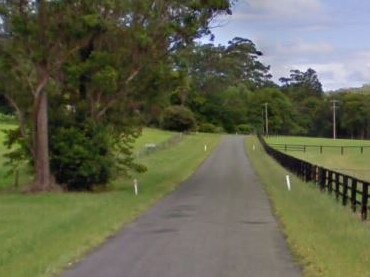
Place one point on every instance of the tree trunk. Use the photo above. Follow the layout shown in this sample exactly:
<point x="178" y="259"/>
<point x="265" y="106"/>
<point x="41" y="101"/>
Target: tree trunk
<point x="42" y="164"/>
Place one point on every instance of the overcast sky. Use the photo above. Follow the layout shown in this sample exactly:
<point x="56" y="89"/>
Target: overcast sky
<point x="330" y="36"/>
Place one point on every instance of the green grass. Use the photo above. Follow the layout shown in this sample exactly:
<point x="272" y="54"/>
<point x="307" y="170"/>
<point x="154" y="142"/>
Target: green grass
<point x="41" y="234"/>
<point x="327" y="239"/>
<point x="352" y="162"/>
<point x="152" y="136"/>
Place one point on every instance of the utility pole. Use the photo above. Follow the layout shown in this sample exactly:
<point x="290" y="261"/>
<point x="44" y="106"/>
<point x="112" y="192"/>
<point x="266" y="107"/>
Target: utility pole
<point x="334" y="102"/>
<point x="266" y="118"/>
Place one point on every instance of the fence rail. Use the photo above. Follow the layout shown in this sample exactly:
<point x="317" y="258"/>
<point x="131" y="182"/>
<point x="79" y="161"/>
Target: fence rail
<point x="320" y="148"/>
<point x="347" y="189"/>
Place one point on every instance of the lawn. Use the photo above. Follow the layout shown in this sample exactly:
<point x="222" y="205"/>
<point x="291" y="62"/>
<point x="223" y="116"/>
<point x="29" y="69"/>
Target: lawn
<point x="352" y="162"/>
<point x="327" y="239"/>
<point x="42" y="234"/>
<point x="151" y="136"/>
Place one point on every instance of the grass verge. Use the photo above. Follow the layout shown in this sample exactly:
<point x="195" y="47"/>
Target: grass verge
<point x="42" y="234"/>
<point x="327" y="239"/>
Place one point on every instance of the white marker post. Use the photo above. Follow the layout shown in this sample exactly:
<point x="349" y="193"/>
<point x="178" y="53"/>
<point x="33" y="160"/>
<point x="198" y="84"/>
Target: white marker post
<point x="288" y="182"/>
<point x="254" y="147"/>
<point x="136" y="187"/>
<point x="205" y="147"/>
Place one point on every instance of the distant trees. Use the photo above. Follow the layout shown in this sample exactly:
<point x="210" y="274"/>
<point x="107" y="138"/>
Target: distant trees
<point x="218" y="80"/>
<point x="301" y="85"/>
<point x="354" y="115"/>
<point x="80" y="74"/>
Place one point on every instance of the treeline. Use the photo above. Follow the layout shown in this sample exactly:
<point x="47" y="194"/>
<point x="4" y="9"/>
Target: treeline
<point x="225" y="89"/>
<point x="84" y="76"/>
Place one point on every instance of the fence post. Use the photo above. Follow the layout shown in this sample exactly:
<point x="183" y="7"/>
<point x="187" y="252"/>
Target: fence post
<point x="320" y="149"/>
<point x="330" y="182"/>
<point x="353" y="194"/>
<point x="345" y="190"/>
<point x="341" y="150"/>
<point x="317" y="175"/>
<point x="365" y="197"/>
<point x="309" y="169"/>
<point x="322" y="179"/>
<point x="337" y="186"/>
<point x="362" y="150"/>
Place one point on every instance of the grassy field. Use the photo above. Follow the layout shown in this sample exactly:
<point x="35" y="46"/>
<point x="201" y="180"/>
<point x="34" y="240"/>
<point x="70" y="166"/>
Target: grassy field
<point x="352" y="162"/>
<point x="151" y="136"/>
<point x="41" y="234"/>
<point x="326" y="238"/>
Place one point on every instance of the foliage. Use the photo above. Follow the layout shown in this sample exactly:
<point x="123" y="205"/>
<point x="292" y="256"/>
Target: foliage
<point x="98" y="62"/>
<point x="178" y="118"/>
<point x="7" y="118"/>
<point x="207" y="128"/>
<point x="244" y="129"/>
<point x="302" y="84"/>
<point x="82" y="158"/>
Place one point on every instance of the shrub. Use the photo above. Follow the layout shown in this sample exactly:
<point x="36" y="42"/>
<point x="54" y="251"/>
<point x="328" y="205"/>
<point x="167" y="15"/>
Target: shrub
<point x="219" y="130"/>
<point x="244" y="129"/>
<point x="7" y="118"/>
<point x="80" y="157"/>
<point x="178" y="118"/>
<point x="207" y="128"/>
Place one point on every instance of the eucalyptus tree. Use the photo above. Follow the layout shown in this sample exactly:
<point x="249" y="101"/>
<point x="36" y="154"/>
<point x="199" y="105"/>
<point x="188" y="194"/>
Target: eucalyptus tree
<point x="214" y="70"/>
<point x="91" y="57"/>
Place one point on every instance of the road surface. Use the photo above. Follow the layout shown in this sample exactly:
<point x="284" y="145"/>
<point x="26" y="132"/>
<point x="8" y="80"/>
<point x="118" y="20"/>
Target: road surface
<point x="217" y="224"/>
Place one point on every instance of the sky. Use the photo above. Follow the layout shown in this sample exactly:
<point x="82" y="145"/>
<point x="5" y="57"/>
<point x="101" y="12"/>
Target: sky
<point x="329" y="36"/>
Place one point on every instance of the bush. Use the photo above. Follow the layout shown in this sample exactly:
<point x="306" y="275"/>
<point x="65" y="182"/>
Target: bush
<point x="219" y="130"/>
<point x="210" y="128"/>
<point x="80" y="158"/>
<point x="207" y="128"/>
<point x="244" y="129"/>
<point x="7" y="118"/>
<point x="178" y="118"/>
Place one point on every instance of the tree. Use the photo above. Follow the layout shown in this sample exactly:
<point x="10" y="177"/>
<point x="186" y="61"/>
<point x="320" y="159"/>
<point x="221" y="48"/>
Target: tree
<point x="355" y="119"/>
<point x="281" y="114"/>
<point x="91" y="55"/>
<point x="219" y="78"/>
<point x="302" y="84"/>
<point x="178" y="118"/>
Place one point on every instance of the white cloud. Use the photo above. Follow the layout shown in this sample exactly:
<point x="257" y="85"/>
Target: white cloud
<point x="353" y="70"/>
<point x="285" y="7"/>
<point x="301" y="47"/>
<point x="278" y="9"/>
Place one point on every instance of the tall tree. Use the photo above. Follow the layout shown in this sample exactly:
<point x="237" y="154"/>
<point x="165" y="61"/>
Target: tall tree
<point x="300" y="85"/>
<point x="214" y="69"/>
<point x="92" y="54"/>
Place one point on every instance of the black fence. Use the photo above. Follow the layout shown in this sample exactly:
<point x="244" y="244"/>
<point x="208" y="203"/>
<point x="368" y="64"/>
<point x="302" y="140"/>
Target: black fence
<point x="320" y="148"/>
<point x="347" y="189"/>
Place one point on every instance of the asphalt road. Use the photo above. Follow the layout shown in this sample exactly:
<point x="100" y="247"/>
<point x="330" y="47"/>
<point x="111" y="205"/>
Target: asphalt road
<point x="217" y="224"/>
